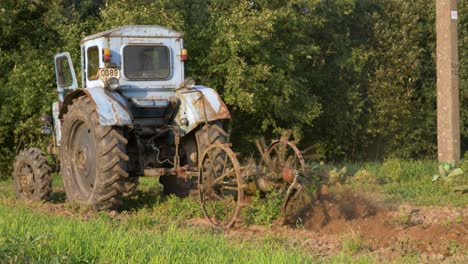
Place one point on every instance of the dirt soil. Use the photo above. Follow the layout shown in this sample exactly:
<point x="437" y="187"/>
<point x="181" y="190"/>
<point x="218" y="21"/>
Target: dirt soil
<point x="363" y="224"/>
<point x="436" y="233"/>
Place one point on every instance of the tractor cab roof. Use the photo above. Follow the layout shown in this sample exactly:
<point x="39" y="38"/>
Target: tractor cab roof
<point x="136" y="31"/>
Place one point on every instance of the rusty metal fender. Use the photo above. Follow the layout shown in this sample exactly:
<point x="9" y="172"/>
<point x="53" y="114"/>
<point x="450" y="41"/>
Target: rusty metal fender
<point x="110" y="106"/>
<point x="199" y="105"/>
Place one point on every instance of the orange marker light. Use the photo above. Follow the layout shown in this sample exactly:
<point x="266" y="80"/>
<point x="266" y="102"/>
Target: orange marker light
<point x="107" y="56"/>
<point x="183" y="55"/>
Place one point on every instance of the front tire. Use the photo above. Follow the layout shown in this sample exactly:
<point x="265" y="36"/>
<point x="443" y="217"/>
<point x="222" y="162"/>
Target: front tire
<point x="93" y="158"/>
<point x="32" y="175"/>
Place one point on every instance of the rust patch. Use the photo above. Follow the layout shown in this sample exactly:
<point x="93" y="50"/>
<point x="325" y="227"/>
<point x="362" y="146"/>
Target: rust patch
<point x="116" y="114"/>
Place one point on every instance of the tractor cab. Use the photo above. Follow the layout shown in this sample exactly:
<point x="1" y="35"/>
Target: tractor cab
<point x="139" y="57"/>
<point x="135" y="74"/>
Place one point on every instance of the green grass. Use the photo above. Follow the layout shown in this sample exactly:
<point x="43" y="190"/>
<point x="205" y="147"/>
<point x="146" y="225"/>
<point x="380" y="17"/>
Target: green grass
<point x="424" y="193"/>
<point x="352" y="242"/>
<point x="26" y="236"/>
<point x="154" y="229"/>
<point x="405" y="181"/>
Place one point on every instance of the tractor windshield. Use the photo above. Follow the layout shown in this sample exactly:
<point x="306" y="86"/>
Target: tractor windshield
<point x="146" y="62"/>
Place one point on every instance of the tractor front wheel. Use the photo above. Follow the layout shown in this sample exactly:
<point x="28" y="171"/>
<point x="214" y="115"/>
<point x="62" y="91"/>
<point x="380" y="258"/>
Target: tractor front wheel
<point x="32" y="175"/>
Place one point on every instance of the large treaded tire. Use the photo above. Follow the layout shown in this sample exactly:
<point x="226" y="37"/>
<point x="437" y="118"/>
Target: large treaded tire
<point x="32" y="175"/>
<point x="130" y="186"/>
<point x="93" y="158"/>
<point x="210" y="134"/>
<point x="133" y="166"/>
<point x="195" y="145"/>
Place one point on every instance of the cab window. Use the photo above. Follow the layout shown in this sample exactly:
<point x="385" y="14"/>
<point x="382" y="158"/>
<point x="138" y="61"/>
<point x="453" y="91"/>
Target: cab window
<point x="65" y="78"/>
<point x="146" y="62"/>
<point x="93" y="63"/>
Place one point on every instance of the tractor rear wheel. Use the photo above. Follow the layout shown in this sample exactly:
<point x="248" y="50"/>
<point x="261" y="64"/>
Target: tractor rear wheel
<point x="208" y="135"/>
<point x="32" y="175"/>
<point x="194" y="145"/>
<point x="93" y="158"/>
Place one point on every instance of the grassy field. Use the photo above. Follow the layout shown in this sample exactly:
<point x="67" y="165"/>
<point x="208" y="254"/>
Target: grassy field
<point x="28" y="236"/>
<point x="155" y="229"/>
<point x="405" y="181"/>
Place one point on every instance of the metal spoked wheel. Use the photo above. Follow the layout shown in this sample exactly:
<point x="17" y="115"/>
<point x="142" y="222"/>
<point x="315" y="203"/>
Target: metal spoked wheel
<point x="285" y="169"/>
<point x="220" y="185"/>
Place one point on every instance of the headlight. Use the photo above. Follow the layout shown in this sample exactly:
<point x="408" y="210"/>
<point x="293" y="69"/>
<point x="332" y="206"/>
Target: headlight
<point x="46" y="119"/>
<point x="189" y="82"/>
<point x="184" y="121"/>
<point x="113" y="83"/>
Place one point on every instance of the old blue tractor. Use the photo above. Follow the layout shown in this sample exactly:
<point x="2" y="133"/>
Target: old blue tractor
<point x="136" y="115"/>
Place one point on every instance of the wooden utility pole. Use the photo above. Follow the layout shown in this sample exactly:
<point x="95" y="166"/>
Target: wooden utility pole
<point x="448" y="112"/>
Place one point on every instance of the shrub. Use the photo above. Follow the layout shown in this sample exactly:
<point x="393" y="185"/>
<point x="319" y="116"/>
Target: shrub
<point x="392" y="170"/>
<point x="363" y="176"/>
<point x="262" y="211"/>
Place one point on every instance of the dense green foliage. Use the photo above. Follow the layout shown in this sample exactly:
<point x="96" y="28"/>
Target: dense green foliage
<point x="354" y="78"/>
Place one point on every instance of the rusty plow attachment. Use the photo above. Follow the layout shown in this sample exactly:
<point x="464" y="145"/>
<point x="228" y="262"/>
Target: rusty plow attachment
<point x="225" y="186"/>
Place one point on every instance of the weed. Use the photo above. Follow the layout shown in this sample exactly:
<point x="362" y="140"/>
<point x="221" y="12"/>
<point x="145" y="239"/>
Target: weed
<point x="406" y="247"/>
<point x="363" y="176"/>
<point x="57" y="181"/>
<point x="464" y="162"/>
<point x="452" y="177"/>
<point x="179" y="208"/>
<point x="403" y="180"/>
<point x="453" y="247"/>
<point x="407" y="259"/>
<point x="338" y="176"/>
<point x="392" y="170"/>
<point x="404" y="217"/>
<point x="414" y="184"/>
<point x="459" y="219"/>
<point x="299" y="223"/>
<point x="352" y="242"/>
<point x="263" y="210"/>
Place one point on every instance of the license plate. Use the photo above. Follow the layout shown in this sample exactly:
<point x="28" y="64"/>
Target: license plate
<point x="107" y="73"/>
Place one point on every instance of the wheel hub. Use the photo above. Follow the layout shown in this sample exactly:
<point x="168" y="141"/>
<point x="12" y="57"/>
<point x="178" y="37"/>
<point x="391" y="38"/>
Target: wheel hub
<point x="81" y="157"/>
<point x="26" y="180"/>
<point x="82" y="146"/>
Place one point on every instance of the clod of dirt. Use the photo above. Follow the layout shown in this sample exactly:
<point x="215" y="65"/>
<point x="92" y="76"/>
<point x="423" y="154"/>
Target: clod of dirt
<point x="436" y="233"/>
<point x="330" y="207"/>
